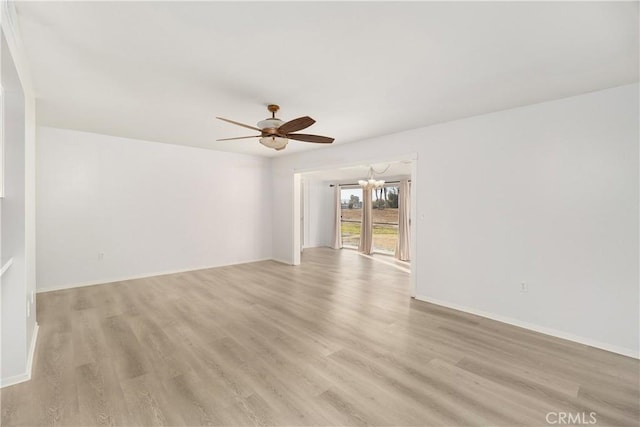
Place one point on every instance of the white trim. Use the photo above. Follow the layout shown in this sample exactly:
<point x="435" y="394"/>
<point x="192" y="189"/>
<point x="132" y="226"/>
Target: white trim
<point x="2" y="168"/>
<point x="20" y="378"/>
<point x="295" y="258"/>
<point x="141" y="276"/>
<point x="281" y="261"/>
<point x="16" y="379"/>
<point x="306" y="212"/>
<point x="413" y="226"/>
<point x="536" y="328"/>
<point x="32" y="348"/>
<point x="319" y="245"/>
<point x="6" y="266"/>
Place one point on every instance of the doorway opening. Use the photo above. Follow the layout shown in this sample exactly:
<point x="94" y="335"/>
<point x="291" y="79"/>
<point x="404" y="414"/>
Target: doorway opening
<point x="332" y="203"/>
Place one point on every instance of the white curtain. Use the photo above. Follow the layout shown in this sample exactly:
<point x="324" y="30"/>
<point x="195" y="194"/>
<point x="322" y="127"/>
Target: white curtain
<point x="366" y="228"/>
<point x="404" y="209"/>
<point x="337" y="232"/>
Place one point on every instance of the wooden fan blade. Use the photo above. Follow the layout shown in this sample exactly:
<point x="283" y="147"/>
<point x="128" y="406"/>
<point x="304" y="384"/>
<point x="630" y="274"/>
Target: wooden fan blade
<point x="239" y="124"/>
<point x="295" y="125"/>
<point x="239" y="137"/>
<point x="310" y="138"/>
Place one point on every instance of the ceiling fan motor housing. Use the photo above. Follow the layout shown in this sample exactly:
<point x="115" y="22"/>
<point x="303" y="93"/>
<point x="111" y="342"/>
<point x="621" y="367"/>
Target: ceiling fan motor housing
<point x="270" y="125"/>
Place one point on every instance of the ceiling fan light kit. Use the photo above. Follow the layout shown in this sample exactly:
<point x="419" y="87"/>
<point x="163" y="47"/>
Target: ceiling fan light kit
<point x="274" y="142"/>
<point x="274" y="133"/>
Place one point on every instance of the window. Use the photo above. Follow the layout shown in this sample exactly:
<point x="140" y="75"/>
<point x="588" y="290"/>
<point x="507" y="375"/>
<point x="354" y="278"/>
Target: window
<point x="385" y="218"/>
<point x="351" y="216"/>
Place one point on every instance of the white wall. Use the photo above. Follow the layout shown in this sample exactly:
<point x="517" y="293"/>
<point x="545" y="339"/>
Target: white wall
<point x="318" y="213"/>
<point x="148" y="207"/>
<point x="17" y="226"/>
<point x="545" y="194"/>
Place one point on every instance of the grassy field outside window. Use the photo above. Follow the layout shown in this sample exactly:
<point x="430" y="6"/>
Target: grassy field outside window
<point x="385" y="228"/>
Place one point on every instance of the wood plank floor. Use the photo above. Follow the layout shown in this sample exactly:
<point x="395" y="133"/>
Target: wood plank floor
<point x="335" y="341"/>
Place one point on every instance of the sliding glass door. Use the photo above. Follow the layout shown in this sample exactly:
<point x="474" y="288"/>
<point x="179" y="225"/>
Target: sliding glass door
<point x="351" y="216"/>
<point x="384" y="214"/>
<point x="385" y="219"/>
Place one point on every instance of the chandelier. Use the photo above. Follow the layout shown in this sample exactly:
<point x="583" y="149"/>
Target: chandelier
<point x="371" y="183"/>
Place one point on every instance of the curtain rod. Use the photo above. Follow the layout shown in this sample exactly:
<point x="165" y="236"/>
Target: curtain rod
<point x="358" y="185"/>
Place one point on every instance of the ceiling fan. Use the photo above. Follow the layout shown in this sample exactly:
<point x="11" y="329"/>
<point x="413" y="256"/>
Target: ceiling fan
<point x="274" y="133"/>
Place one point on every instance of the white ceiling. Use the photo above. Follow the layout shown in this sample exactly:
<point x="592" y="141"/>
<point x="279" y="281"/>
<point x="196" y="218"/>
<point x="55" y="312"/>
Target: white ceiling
<point x="162" y="71"/>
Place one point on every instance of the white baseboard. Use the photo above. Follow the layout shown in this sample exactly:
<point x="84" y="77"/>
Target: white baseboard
<point x="533" y="327"/>
<point x="141" y="276"/>
<point x="316" y="245"/>
<point x="281" y="261"/>
<point x="32" y="348"/>
<point x="20" y="378"/>
<point x="16" y="379"/>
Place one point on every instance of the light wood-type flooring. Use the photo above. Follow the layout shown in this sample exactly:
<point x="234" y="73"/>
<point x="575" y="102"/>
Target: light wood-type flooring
<point x="334" y="341"/>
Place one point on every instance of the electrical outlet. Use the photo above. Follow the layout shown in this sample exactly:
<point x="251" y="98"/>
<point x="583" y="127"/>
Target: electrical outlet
<point x="28" y="309"/>
<point x="524" y="287"/>
<point x="100" y="256"/>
